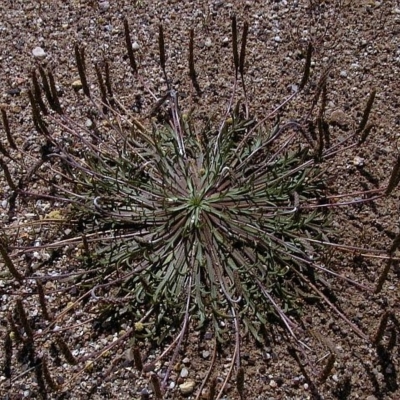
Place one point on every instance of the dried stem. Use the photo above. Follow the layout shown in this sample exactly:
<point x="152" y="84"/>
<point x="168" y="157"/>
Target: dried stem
<point x="38" y="93"/>
<point x="80" y="61"/>
<point x="42" y="301"/>
<point x="101" y="85"/>
<point x="383" y="276"/>
<point x="9" y="264"/>
<point x="66" y="352"/>
<point x="394" y="177"/>
<point x="213" y="389"/>
<point x="137" y="358"/>
<point x="328" y="368"/>
<point x="156" y="386"/>
<point x="46" y="86"/>
<point x="320" y="125"/>
<point x="56" y="103"/>
<point x="7" y="129"/>
<point x="161" y="46"/>
<point x="7" y="175"/>
<point x="240" y="382"/>
<point x="192" y="71"/>
<point x="47" y="376"/>
<point x="243" y="48"/>
<point x="381" y="328"/>
<point x="307" y="67"/>
<point x="129" y="47"/>
<point x="366" y="113"/>
<point x="8" y="350"/>
<point x="24" y="319"/>
<point x="108" y="78"/>
<point x="366" y="132"/>
<point x="38" y="122"/>
<point x="39" y="379"/>
<point x="235" y="46"/>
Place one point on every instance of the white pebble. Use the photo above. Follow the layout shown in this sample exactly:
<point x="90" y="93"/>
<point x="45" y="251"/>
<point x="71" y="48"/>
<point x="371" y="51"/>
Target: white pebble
<point x="135" y="46"/>
<point x="343" y="74"/>
<point x="205" y="354"/>
<point x="184" y="372"/>
<point x="358" y="161"/>
<point x="273" y="384"/>
<point x="38" y="52"/>
<point x="208" y="42"/>
<point x="277" y="39"/>
<point x="104" y="5"/>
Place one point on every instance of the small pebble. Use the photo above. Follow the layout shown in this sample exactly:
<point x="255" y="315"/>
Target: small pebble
<point x="358" y="161"/>
<point x="205" y="354"/>
<point x="338" y="117"/>
<point x="187" y="387"/>
<point x="208" y="42"/>
<point x="38" y="52"/>
<point x="135" y="46"/>
<point x="14" y="92"/>
<point x="104" y="5"/>
<point x="277" y="39"/>
<point x="343" y="74"/>
<point x="184" y="373"/>
<point x="77" y="84"/>
<point x="273" y="384"/>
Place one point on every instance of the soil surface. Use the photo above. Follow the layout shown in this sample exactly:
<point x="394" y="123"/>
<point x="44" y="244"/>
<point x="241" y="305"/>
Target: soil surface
<point x="357" y="42"/>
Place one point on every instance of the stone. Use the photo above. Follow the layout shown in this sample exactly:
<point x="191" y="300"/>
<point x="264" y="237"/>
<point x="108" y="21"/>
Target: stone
<point x="104" y="5"/>
<point x="208" y="42"/>
<point x="77" y="85"/>
<point x="273" y="384"/>
<point x="184" y="373"/>
<point x="358" y="161"/>
<point x="38" y="52"/>
<point x="205" y="354"/>
<point x="187" y="387"/>
<point x="339" y="117"/>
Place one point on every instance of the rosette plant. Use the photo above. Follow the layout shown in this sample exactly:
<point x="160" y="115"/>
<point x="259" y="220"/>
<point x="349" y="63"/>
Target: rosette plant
<point x="218" y="227"/>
